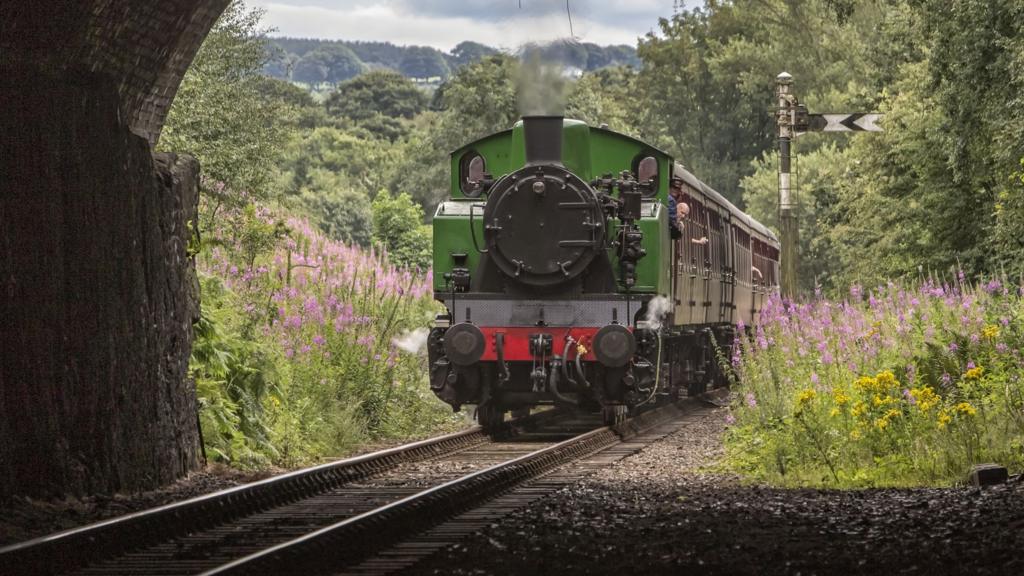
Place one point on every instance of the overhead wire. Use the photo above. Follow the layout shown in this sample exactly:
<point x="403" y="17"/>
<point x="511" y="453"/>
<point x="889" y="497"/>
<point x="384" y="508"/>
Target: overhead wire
<point x="568" y="13"/>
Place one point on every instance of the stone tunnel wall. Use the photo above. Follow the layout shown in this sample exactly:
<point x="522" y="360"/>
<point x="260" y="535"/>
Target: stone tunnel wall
<point x="97" y="291"/>
<point x="99" y="296"/>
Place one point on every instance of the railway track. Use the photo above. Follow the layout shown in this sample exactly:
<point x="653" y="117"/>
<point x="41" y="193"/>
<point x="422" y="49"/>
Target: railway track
<point x="319" y="519"/>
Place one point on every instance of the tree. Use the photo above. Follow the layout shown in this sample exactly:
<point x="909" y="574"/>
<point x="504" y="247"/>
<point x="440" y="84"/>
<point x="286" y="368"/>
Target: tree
<point x="398" y="228"/>
<point x="562" y="52"/>
<point x="342" y="213"/>
<point x="358" y="163"/>
<point x="423" y="62"/>
<point x="306" y="113"/>
<point x="708" y="78"/>
<point x="466" y="52"/>
<point x="329" y="63"/>
<point x="478" y="100"/>
<point x="383" y="92"/>
<point x="605" y="97"/>
<point x="222" y="114"/>
<point x="976" y="68"/>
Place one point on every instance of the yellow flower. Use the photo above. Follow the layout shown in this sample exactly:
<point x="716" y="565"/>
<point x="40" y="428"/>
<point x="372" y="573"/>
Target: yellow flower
<point x="879" y="400"/>
<point x="893" y="413"/>
<point x="886" y="380"/>
<point x="855" y="434"/>
<point x="944" y="418"/>
<point x="925" y="397"/>
<point x="840" y="397"/>
<point x="834" y="412"/>
<point x="881" y="423"/>
<point x="990" y="331"/>
<point x="966" y="409"/>
<point x="974" y="373"/>
<point x="859" y="408"/>
<point x="805" y="398"/>
<point x="865" y="384"/>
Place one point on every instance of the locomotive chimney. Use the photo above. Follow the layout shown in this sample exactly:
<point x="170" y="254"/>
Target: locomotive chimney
<point x="543" y="136"/>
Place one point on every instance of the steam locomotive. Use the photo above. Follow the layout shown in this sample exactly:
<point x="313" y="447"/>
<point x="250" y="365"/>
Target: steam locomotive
<point x="563" y="284"/>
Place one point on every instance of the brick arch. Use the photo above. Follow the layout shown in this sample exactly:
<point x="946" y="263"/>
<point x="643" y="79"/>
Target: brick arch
<point x="144" y="48"/>
<point x="97" y="290"/>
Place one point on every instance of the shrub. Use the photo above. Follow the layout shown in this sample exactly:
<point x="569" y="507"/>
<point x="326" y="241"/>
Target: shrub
<point x="906" y="386"/>
<point x="398" y="228"/>
<point x="294" y="358"/>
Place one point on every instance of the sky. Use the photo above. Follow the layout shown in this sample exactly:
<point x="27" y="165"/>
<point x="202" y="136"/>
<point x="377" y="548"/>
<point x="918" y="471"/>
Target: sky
<point x="444" y="23"/>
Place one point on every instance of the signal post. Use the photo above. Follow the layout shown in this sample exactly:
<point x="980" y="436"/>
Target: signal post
<point x="789" y="229"/>
<point x="792" y="120"/>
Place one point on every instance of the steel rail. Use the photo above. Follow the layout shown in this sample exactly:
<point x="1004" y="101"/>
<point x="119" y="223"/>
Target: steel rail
<point x="353" y="539"/>
<point x="76" y="547"/>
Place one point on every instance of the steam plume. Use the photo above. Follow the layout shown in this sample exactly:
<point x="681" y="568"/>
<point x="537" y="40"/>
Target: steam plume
<point x="541" y="86"/>
<point x="413" y="342"/>
<point x="657" y="308"/>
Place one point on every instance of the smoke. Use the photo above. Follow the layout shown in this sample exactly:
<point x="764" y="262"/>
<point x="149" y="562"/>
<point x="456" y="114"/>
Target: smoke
<point x="413" y="342"/>
<point x="542" y="87"/>
<point x="657" y="308"/>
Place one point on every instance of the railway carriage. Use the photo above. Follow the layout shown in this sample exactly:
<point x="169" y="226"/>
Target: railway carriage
<point x="563" y="285"/>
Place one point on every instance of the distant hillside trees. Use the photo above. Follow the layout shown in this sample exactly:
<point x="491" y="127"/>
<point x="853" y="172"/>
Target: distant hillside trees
<point x="467" y="52"/>
<point x="586" y="57"/>
<point x="378" y="101"/>
<point x="314" y="61"/>
<point x="423" y="63"/>
<point x="330" y="63"/>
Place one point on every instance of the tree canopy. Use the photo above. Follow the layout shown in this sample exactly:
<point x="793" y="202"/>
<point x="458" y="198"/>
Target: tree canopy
<point x="383" y="92"/>
<point x="225" y="112"/>
<point x="423" y="62"/>
<point x="329" y="63"/>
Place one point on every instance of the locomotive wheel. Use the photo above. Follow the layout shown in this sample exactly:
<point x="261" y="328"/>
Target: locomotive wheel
<point x="697" y="387"/>
<point x="614" y="414"/>
<point x="491" y="417"/>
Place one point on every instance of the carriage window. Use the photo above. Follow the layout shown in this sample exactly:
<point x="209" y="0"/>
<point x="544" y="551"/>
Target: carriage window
<point x="471" y="171"/>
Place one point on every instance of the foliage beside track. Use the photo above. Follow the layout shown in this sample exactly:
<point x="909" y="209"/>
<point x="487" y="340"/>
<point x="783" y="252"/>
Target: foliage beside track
<point x="295" y="355"/>
<point x="897" y="386"/>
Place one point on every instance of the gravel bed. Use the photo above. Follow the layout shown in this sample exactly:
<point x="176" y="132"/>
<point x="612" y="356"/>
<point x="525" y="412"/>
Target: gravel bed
<point x="661" y="512"/>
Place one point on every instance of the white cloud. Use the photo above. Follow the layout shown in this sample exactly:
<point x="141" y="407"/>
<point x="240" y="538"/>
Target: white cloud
<point x="440" y="24"/>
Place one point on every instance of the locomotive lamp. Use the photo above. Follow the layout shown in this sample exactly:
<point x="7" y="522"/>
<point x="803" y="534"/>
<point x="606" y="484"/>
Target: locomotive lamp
<point x="614" y="345"/>
<point x="464" y="344"/>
